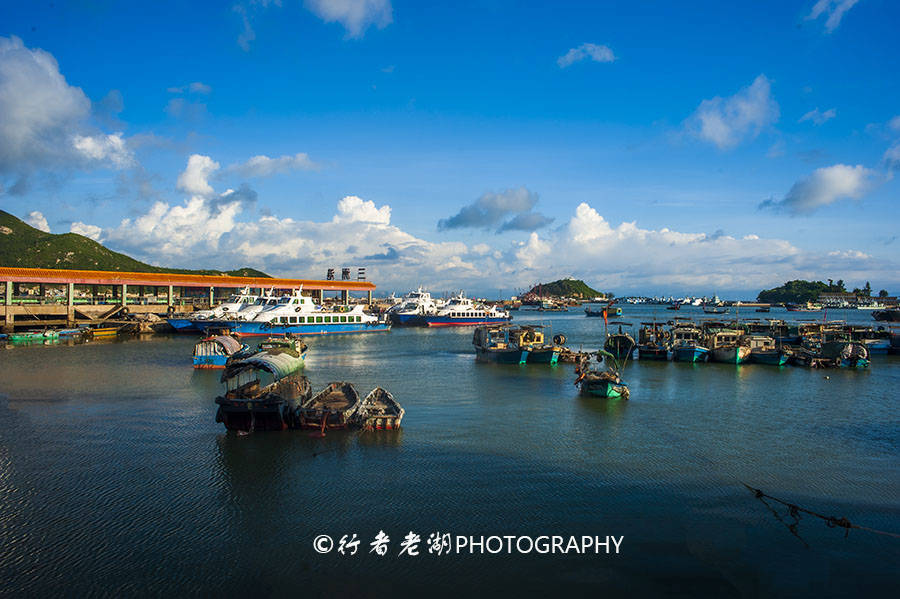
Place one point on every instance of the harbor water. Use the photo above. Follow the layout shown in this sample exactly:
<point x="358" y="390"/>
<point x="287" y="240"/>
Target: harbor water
<point x="115" y="477"/>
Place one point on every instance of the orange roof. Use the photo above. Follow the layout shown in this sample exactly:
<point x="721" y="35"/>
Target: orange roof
<point x="102" y="277"/>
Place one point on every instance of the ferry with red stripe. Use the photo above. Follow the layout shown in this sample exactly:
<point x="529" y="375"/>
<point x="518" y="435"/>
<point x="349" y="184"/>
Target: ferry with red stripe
<point x="461" y="311"/>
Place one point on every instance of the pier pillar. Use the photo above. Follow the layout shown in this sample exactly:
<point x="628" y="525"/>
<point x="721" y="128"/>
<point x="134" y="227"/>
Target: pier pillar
<point x="94" y="293"/>
<point x="41" y="292"/>
<point x="70" y="305"/>
<point x="9" y="293"/>
<point x="369" y="297"/>
<point x="345" y="297"/>
<point x="124" y="294"/>
<point x="9" y="326"/>
<point x="169" y="297"/>
<point x="212" y="293"/>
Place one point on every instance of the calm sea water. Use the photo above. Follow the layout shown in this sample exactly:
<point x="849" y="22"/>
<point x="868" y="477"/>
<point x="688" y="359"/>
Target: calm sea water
<point x="115" y="478"/>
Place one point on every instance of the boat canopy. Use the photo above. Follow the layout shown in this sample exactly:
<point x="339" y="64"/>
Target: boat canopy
<point x="228" y="343"/>
<point x="279" y="362"/>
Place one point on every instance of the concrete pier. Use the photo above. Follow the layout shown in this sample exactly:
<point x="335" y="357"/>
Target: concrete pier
<point x="73" y="297"/>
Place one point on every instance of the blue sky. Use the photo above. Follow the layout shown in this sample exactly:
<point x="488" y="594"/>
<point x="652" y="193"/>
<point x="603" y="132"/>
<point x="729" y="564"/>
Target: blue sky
<point x="652" y="148"/>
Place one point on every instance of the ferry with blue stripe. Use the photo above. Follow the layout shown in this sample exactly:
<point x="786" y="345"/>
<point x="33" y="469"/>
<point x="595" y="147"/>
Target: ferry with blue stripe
<point x="460" y="311"/>
<point x="298" y="315"/>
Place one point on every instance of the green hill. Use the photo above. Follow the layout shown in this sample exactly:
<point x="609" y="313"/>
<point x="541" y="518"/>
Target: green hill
<point x="24" y="246"/>
<point x="565" y="288"/>
<point x="798" y="291"/>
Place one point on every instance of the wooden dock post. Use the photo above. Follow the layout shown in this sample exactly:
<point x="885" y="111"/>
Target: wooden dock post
<point x="169" y="296"/>
<point x="212" y="293"/>
<point x="70" y="305"/>
<point x="8" y="318"/>
<point x="124" y="294"/>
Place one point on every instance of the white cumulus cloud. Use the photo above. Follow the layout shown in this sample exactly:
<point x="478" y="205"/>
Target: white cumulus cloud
<point x="726" y="122"/>
<point x="594" y="52"/>
<point x="103" y="148"/>
<point x="38" y="221"/>
<point x="92" y="231"/>
<point x="823" y="187"/>
<point x="195" y="178"/>
<point x="353" y="209"/>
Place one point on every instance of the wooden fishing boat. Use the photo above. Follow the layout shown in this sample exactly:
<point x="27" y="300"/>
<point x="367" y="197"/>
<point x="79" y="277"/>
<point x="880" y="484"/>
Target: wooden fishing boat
<point x="845" y="354"/>
<point x="653" y="342"/>
<point x="33" y="336"/>
<point x="333" y="407"/>
<point x="215" y="351"/>
<point x="764" y="350"/>
<point x="687" y="344"/>
<point x="725" y="346"/>
<point x="97" y="332"/>
<point x="284" y="342"/>
<point x="250" y="405"/>
<point x="379" y="411"/>
<point x="606" y="384"/>
<point x="620" y="345"/>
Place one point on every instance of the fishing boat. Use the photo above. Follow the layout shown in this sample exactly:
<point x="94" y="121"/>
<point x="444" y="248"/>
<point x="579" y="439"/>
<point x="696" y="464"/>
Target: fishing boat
<point x="714" y="309"/>
<point x="674" y="306"/>
<point x="687" y="344"/>
<point x="412" y="307"/>
<point x="764" y="350"/>
<point x="505" y="344"/>
<point x="332" y="407"/>
<point x="611" y="312"/>
<point x="764" y="309"/>
<point x="845" y="354"/>
<point x="653" y="342"/>
<point x="493" y="344"/>
<point x="807" y="307"/>
<point x="298" y="315"/>
<point x="26" y="336"/>
<point x="606" y="384"/>
<point x="263" y="391"/>
<point x="379" y="411"/>
<point x="620" y="345"/>
<point x="462" y="311"/>
<point x="725" y="346"/>
<point x="215" y="351"/>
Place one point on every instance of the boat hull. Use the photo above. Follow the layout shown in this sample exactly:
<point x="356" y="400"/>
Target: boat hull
<point x="605" y="389"/>
<point x="264" y="329"/>
<point x="501" y="356"/>
<point x="205" y="362"/>
<point x="239" y="415"/>
<point x="183" y="325"/>
<point x="659" y="354"/>
<point x="548" y="355"/>
<point x="771" y="357"/>
<point x="690" y="354"/>
<point x="407" y="320"/>
<point x="730" y="355"/>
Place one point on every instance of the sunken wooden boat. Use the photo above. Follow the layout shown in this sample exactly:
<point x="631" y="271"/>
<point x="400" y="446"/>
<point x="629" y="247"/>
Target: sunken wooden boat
<point x="379" y="411"/>
<point x="215" y="351"/>
<point x="332" y="407"/>
<point x="249" y="404"/>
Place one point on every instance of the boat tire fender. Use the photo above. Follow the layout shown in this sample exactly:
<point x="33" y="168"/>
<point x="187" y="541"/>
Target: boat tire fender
<point x="559" y="339"/>
<point x="170" y="310"/>
<point x="124" y="311"/>
<point x="298" y="308"/>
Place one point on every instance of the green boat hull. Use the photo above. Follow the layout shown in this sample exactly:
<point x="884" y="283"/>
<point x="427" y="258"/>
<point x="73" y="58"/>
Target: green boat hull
<point x="605" y="389"/>
<point x="772" y="358"/>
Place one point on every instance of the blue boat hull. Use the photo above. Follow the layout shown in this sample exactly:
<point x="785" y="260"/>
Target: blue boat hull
<point x="690" y="354"/>
<point x="407" y="319"/>
<point x="262" y="329"/>
<point x="183" y="325"/>
<point x="217" y="361"/>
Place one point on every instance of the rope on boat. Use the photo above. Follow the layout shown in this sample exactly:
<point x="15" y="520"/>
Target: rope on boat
<point x="794" y="511"/>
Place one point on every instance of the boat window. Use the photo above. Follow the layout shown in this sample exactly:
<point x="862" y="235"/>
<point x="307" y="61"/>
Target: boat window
<point x="343" y="319"/>
<point x="318" y="319"/>
<point x="327" y="319"/>
<point x="293" y="319"/>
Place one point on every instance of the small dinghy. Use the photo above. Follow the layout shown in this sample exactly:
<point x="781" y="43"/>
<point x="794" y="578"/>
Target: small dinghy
<point x="379" y="411"/>
<point x="606" y="384"/>
<point x="333" y="407"/>
<point x="214" y="352"/>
